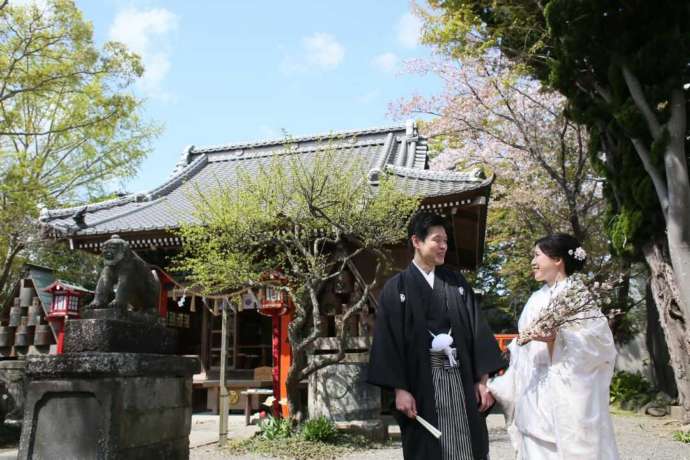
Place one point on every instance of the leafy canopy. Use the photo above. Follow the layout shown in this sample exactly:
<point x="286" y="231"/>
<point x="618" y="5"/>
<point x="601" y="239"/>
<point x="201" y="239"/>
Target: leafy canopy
<point x="69" y="126"/>
<point x="581" y="48"/>
<point x="304" y="214"/>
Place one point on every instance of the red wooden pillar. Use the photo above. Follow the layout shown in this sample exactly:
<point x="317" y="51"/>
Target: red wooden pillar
<point x="58" y="325"/>
<point x="275" y="349"/>
<point x="285" y="360"/>
<point x="166" y="284"/>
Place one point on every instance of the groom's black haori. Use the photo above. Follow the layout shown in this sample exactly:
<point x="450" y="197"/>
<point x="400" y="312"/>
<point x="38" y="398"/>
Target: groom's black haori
<point x="400" y="358"/>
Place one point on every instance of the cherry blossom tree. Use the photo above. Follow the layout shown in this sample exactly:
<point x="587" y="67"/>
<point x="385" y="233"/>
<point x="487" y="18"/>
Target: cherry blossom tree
<point x="490" y="116"/>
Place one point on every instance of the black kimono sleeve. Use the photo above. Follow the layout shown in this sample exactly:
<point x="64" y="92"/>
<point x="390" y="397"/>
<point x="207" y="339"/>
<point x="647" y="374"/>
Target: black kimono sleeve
<point x="485" y="351"/>
<point x="387" y="354"/>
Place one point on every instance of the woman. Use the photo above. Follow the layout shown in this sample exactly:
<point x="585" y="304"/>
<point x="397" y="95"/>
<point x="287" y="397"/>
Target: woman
<point x="555" y="393"/>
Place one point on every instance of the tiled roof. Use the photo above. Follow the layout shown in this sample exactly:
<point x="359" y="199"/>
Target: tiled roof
<point x="396" y="151"/>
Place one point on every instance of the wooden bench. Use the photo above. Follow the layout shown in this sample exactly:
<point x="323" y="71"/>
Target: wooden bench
<point x="249" y="393"/>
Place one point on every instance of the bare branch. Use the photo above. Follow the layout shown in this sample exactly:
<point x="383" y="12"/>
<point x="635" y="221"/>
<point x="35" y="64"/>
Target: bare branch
<point x="657" y="180"/>
<point x="640" y="100"/>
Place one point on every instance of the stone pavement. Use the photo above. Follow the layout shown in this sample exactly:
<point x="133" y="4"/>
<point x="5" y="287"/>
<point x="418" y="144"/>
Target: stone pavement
<point x="638" y="438"/>
<point x="205" y="429"/>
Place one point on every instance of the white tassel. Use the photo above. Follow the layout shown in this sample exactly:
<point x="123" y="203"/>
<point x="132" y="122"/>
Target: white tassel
<point x="443" y="342"/>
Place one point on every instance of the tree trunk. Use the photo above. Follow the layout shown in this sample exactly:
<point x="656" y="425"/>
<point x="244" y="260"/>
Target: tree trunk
<point x="671" y="318"/>
<point x="292" y="381"/>
<point x="662" y="371"/>
<point x="618" y="324"/>
<point x="12" y="252"/>
<point x="678" y="183"/>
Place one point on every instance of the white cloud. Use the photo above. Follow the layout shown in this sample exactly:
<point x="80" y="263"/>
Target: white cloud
<point x="385" y="62"/>
<point x="147" y="33"/>
<point x="324" y="51"/>
<point x="320" y="51"/>
<point x="409" y="29"/>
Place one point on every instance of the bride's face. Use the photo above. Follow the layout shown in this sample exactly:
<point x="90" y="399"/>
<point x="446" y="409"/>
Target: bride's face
<point x="545" y="268"/>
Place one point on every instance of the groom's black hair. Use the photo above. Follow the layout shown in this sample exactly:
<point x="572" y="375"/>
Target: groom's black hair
<point x="421" y="223"/>
<point x="562" y="246"/>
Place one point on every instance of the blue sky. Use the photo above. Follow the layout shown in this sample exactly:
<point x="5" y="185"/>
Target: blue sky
<point x="231" y="71"/>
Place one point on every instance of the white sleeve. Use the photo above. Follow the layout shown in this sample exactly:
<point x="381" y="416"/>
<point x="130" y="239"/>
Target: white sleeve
<point x="580" y="376"/>
<point x="584" y="345"/>
<point x="504" y="387"/>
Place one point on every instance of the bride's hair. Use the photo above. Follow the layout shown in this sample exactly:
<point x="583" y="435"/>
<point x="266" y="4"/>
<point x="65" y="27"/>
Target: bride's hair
<point x="565" y="247"/>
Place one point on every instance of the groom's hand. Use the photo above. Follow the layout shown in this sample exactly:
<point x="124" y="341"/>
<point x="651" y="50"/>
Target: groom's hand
<point x="405" y="403"/>
<point x="484" y="397"/>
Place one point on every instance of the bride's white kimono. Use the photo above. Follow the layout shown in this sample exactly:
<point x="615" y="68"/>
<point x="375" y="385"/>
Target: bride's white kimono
<point x="558" y="407"/>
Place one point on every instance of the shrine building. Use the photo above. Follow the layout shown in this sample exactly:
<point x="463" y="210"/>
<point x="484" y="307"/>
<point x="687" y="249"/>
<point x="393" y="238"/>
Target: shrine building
<point x="149" y="221"/>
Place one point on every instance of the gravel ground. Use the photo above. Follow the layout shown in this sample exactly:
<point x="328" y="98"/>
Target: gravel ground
<point x="638" y="437"/>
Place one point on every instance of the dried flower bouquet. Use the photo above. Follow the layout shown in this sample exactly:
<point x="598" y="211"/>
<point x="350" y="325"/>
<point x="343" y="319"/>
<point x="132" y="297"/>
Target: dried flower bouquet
<point x="579" y="300"/>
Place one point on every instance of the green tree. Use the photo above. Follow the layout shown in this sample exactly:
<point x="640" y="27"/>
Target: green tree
<point x="623" y="66"/>
<point x="299" y="216"/>
<point x="69" y="126"/>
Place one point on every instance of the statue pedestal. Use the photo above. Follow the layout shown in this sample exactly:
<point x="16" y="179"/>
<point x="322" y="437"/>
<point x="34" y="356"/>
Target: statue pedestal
<point x="340" y="392"/>
<point x="12" y="377"/>
<point x="111" y="331"/>
<point x="108" y="406"/>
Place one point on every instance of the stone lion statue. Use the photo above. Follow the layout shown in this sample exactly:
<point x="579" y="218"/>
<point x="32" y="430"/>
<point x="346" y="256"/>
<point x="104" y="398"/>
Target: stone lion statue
<point x="136" y="283"/>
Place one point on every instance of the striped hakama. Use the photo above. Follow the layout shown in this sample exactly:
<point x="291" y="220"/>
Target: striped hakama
<point x="456" y="441"/>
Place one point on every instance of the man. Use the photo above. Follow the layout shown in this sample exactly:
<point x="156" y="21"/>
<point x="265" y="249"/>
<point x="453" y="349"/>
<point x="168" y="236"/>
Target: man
<point x="447" y="385"/>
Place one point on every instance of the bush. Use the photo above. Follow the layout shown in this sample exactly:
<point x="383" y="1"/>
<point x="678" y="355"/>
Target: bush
<point x="319" y="429"/>
<point x="275" y="428"/>
<point x="682" y="436"/>
<point x="630" y="391"/>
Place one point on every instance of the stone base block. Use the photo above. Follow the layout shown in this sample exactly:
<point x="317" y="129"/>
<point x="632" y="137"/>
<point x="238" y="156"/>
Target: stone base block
<point x="374" y="430"/>
<point x="144" y="317"/>
<point x="109" y="335"/>
<point x="340" y="393"/>
<point x="13" y="380"/>
<point x="108" y="406"/>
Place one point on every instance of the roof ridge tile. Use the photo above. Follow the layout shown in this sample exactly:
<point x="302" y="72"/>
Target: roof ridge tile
<point x="449" y="176"/>
<point x="306" y="138"/>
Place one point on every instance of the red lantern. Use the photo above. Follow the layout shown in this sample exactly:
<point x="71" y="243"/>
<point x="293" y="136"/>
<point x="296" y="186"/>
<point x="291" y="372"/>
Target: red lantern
<point x="273" y="300"/>
<point x="67" y="299"/>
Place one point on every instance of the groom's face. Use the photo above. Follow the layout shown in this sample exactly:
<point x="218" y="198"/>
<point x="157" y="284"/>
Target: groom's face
<point x="432" y="250"/>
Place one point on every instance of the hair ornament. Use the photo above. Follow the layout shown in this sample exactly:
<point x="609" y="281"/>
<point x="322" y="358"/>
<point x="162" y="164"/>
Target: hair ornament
<point x="578" y="253"/>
